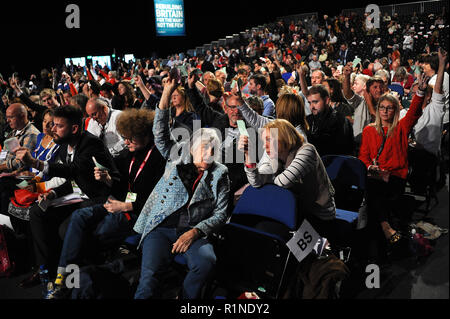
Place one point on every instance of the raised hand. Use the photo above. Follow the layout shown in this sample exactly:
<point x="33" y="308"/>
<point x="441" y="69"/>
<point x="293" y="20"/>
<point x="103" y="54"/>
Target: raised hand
<point x="192" y="79"/>
<point x="347" y="70"/>
<point x="138" y="80"/>
<point x="423" y="81"/>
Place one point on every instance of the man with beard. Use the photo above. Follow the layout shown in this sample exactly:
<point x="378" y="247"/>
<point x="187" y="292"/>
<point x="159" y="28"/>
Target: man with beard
<point x="257" y="86"/>
<point x="76" y="165"/>
<point x="329" y="131"/>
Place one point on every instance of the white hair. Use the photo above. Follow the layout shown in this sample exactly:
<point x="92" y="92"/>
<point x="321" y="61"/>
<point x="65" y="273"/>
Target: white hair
<point x="207" y="137"/>
<point x="362" y="77"/>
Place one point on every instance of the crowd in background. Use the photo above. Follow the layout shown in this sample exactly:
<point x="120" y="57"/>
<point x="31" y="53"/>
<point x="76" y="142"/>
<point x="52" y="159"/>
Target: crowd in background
<point x="333" y="85"/>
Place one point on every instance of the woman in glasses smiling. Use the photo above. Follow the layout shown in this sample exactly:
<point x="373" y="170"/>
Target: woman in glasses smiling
<point x="384" y="151"/>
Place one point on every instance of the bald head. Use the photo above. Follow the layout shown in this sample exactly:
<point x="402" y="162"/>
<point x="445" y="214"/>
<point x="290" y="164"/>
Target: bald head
<point x="17" y="116"/>
<point x="98" y="110"/>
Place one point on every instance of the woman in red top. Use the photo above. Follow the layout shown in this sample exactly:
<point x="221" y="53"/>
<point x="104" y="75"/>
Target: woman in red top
<point x="387" y="162"/>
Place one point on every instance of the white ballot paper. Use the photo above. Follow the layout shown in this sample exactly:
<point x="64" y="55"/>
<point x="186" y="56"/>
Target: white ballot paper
<point x="11" y="144"/>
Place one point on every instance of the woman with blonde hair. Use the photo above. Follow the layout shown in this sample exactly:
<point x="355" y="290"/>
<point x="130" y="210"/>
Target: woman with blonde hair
<point x="384" y="151"/>
<point x="294" y="164"/>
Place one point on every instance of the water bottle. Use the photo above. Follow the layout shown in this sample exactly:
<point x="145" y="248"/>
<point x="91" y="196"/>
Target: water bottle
<point x="43" y="276"/>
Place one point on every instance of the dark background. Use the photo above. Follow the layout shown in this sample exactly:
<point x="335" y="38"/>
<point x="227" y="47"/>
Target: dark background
<point x="34" y="34"/>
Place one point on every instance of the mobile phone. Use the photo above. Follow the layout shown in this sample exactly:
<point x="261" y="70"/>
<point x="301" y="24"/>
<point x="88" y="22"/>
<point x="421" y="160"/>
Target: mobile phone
<point x="43" y="204"/>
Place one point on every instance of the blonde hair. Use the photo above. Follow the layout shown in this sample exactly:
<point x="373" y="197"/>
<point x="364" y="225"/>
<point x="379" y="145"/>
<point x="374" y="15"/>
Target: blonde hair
<point x="396" y="104"/>
<point x="47" y="92"/>
<point x="289" y="138"/>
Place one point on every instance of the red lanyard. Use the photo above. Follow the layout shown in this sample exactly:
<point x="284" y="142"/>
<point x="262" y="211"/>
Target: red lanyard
<point x="140" y="168"/>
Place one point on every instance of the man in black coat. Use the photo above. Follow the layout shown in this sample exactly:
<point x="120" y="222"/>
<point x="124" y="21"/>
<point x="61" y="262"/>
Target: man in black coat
<point x="76" y="166"/>
<point x="329" y="131"/>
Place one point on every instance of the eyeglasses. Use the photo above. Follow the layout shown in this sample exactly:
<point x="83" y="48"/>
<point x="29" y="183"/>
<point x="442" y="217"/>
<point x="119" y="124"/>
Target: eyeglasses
<point x="386" y="108"/>
<point x="46" y="100"/>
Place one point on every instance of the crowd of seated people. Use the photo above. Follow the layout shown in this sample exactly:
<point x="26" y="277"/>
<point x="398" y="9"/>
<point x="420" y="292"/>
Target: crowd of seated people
<point x="156" y="149"/>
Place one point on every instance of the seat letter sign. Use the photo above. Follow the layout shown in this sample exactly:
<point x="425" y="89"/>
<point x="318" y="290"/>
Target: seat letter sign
<point x="303" y="241"/>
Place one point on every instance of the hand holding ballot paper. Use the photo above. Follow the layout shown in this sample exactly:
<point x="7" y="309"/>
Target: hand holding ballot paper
<point x="11" y="144"/>
<point x="101" y="173"/>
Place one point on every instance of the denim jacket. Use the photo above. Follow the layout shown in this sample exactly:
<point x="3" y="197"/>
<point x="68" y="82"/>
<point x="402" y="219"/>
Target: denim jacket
<point x="207" y="209"/>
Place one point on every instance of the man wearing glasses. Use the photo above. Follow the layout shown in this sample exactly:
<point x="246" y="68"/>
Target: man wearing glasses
<point x="103" y="125"/>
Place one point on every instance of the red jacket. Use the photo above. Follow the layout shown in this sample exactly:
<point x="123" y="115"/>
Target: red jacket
<point x="394" y="156"/>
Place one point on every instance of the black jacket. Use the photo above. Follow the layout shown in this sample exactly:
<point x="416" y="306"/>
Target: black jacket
<point x="331" y="133"/>
<point x="146" y="180"/>
<point x="81" y="169"/>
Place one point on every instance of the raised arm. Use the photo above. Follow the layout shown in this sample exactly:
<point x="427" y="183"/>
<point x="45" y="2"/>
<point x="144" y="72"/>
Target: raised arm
<point x="346" y="86"/>
<point x="440" y="74"/>
<point x="140" y="84"/>
<point x="161" y="130"/>
<point x="251" y="117"/>
<point x="302" y="69"/>
<point x="25" y="99"/>
<point x="206" y="113"/>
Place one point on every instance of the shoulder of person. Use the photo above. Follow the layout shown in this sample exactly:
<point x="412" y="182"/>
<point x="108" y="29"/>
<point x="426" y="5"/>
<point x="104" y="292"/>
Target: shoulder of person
<point x="219" y="169"/>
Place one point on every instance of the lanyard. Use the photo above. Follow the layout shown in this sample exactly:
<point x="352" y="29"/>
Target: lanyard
<point x="44" y="149"/>
<point x="140" y="168"/>
<point x="375" y="161"/>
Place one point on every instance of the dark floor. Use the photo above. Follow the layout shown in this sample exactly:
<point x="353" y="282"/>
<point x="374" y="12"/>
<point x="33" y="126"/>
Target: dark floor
<point x="404" y="278"/>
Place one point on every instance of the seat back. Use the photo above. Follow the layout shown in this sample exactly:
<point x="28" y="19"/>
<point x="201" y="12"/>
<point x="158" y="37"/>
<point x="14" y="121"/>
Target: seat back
<point x="348" y="175"/>
<point x="269" y="201"/>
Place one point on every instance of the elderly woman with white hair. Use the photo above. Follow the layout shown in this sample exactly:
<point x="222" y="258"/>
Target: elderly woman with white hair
<point x="188" y="204"/>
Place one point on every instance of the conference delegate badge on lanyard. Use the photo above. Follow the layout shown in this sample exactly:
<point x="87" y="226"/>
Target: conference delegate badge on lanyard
<point x="131" y="197"/>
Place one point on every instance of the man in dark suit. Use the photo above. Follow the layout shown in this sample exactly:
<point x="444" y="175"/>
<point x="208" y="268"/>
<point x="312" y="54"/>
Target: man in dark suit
<point x="77" y="167"/>
<point x="345" y="54"/>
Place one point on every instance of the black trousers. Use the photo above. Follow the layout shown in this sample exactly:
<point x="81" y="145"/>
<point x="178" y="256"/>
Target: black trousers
<point x="380" y="198"/>
<point x="48" y="230"/>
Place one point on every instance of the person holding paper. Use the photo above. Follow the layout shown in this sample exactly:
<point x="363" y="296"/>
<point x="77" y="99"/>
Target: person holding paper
<point x="103" y="125"/>
<point x="22" y="130"/>
<point x="75" y="165"/>
<point x="294" y="164"/>
<point x="140" y="166"/>
<point x="383" y="150"/>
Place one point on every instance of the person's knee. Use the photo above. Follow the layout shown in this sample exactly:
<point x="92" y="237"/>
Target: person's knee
<point x="81" y="215"/>
<point x="205" y="262"/>
<point x="36" y="213"/>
